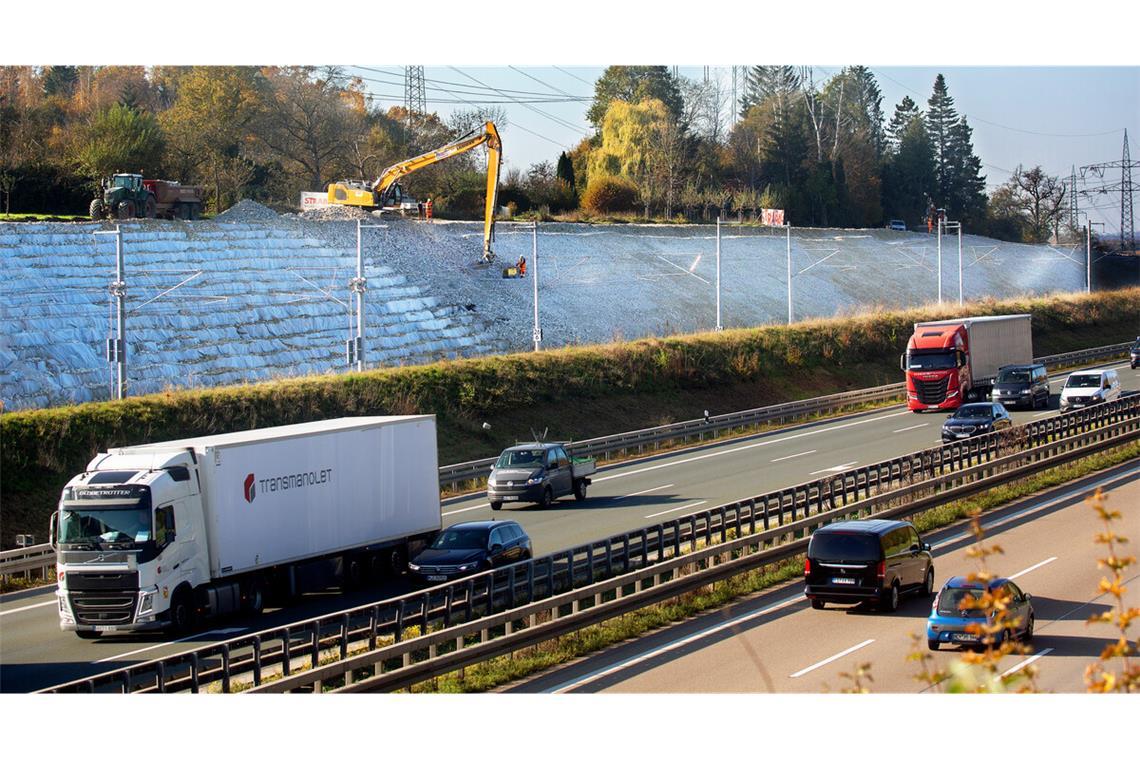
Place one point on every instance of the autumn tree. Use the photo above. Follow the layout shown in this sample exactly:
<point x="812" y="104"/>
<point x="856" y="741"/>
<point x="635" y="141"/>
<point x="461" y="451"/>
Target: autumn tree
<point x="634" y="84"/>
<point x="1039" y="199"/>
<point x="120" y="139"/>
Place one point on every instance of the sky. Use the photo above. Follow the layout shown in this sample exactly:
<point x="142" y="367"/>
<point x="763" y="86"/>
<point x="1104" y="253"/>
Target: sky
<point x="1060" y="118"/>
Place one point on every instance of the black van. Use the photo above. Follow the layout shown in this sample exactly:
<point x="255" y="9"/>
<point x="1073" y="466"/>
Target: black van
<point x="872" y="561"/>
<point x="1022" y="384"/>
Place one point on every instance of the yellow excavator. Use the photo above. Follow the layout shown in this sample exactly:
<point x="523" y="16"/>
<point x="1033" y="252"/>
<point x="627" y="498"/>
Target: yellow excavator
<point x="385" y="189"/>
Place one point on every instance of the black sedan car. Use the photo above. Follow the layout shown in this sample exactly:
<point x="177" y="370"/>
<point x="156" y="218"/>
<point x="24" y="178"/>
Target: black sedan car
<point x="1134" y="354"/>
<point x="975" y="419"/>
<point x="472" y="547"/>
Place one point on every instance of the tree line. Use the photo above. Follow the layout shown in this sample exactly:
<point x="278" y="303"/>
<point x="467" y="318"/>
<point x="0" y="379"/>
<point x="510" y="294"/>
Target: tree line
<point x="663" y="147"/>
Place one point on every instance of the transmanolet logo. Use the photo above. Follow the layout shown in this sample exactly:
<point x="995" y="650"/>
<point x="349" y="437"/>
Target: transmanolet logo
<point x="250" y="487"/>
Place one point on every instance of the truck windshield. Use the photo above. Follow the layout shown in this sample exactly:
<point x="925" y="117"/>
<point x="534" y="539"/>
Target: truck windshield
<point x="131" y="525"/>
<point x="1013" y="376"/>
<point x="520" y="458"/>
<point x="920" y="360"/>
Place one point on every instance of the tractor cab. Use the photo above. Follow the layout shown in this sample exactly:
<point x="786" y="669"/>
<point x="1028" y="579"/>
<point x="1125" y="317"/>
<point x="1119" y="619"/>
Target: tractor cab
<point x="131" y="182"/>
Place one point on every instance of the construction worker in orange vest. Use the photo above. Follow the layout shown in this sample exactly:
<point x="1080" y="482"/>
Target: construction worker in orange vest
<point x="427" y="209"/>
<point x="522" y="266"/>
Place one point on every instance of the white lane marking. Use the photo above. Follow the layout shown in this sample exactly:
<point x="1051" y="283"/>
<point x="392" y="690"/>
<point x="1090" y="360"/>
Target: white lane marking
<point x="29" y="607"/>
<point x="793" y="456"/>
<point x="676" y="509"/>
<point x="1043" y="414"/>
<point x="639" y="493"/>
<point x="736" y="449"/>
<point x="1027" y="661"/>
<point x="836" y="468"/>
<point x="912" y="427"/>
<point x="168" y="643"/>
<point x="831" y="659"/>
<point x="1029" y="569"/>
<point x="603" y="672"/>
<point x="467" y="509"/>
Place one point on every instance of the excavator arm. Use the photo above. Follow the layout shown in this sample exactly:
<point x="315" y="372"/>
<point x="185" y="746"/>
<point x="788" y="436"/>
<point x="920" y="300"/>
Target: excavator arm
<point x="355" y="194"/>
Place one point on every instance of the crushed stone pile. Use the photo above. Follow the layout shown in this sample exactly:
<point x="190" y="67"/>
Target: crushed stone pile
<point x="332" y="214"/>
<point x="246" y="211"/>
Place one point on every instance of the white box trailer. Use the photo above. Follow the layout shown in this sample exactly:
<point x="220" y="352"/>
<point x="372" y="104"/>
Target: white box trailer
<point x="993" y="342"/>
<point x="209" y="525"/>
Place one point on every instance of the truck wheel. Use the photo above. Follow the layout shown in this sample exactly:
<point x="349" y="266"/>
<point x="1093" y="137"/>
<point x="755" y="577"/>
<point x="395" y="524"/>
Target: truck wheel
<point x="88" y="634"/>
<point x="496" y="505"/>
<point x="396" y="563"/>
<point x="98" y="210"/>
<point x="353" y="573"/>
<point x="579" y="490"/>
<point x="182" y="612"/>
<point x="151" y="208"/>
<point x="255" y="597"/>
<point x="194" y="211"/>
<point x="126" y="210"/>
<point x="183" y="211"/>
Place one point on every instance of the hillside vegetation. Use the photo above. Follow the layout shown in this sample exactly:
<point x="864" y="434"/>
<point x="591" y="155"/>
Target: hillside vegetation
<point x="576" y="392"/>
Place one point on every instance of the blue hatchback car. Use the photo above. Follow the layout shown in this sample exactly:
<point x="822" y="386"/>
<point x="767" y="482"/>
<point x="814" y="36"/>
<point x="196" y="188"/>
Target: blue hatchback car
<point x="948" y="622"/>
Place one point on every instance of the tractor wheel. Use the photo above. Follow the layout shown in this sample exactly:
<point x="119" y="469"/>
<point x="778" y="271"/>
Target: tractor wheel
<point x="151" y="207"/>
<point x="126" y="210"/>
<point x="98" y="211"/>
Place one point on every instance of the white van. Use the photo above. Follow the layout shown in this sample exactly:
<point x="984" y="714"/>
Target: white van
<point x="1088" y="387"/>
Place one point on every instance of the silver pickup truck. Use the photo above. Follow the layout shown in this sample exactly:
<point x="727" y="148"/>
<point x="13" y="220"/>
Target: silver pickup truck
<point x="538" y="473"/>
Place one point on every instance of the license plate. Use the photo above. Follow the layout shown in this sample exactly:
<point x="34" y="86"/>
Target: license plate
<point x="510" y="498"/>
<point x="844" y="581"/>
<point x="961" y="435"/>
<point x="104" y="628"/>
<point x="963" y="637"/>
<point x="436" y="578"/>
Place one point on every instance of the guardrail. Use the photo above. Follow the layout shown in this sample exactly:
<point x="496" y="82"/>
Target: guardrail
<point x="939" y="472"/>
<point x="40" y="559"/>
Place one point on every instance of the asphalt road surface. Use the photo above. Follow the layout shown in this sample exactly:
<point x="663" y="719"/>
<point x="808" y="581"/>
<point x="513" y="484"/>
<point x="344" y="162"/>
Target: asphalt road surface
<point x="775" y="641"/>
<point x="35" y="654"/>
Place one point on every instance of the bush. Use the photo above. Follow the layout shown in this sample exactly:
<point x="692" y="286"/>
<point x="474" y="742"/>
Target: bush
<point x="606" y="195"/>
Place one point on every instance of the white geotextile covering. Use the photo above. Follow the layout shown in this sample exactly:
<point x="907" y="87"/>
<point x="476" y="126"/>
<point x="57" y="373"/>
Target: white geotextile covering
<point x="266" y="296"/>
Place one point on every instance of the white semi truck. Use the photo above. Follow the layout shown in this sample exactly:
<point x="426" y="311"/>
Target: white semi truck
<point x="163" y="534"/>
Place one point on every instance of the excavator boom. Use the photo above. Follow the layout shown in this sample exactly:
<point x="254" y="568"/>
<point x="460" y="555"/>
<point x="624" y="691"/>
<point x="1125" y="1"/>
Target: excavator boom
<point x="355" y="194"/>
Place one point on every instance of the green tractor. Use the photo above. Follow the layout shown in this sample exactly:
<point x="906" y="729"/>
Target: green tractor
<point x="129" y="196"/>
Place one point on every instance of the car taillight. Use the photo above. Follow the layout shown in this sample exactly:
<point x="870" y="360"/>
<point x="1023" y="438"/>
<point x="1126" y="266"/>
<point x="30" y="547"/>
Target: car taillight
<point x="881" y="570"/>
<point x="807" y="567"/>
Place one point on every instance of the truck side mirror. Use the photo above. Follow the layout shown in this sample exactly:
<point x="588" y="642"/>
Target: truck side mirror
<point x="961" y="358"/>
<point x="51" y="535"/>
<point x="902" y="362"/>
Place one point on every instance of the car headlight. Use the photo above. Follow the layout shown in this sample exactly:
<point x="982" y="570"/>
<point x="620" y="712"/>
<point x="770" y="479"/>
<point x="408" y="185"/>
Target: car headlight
<point x="535" y="481"/>
<point x="146" y="600"/>
<point x="1025" y="392"/>
<point x="465" y="568"/>
<point x="413" y="567"/>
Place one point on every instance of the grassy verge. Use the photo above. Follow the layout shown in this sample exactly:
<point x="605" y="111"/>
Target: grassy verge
<point x="503" y="670"/>
<point x="44" y="218"/>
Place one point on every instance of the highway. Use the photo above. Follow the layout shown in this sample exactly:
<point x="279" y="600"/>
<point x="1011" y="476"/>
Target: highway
<point x="775" y="641"/>
<point x="35" y="654"/>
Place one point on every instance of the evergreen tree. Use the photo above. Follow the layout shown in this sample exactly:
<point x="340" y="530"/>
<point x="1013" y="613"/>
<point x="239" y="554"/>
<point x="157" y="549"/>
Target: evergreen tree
<point x="565" y="170"/>
<point x="968" y="199"/>
<point x="867" y="103"/>
<point x="910" y="176"/>
<point x="904" y="114"/>
<point x="60" y="80"/>
<point x="763" y="82"/>
<point x="940" y="120"/>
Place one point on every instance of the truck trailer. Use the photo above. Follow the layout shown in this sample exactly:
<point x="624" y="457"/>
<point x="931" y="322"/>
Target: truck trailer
<point x="950" y="362"/>
<point x="162" y="535"/>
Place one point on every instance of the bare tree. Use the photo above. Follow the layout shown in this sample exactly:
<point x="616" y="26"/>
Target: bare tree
<point x="1040" y="198"/>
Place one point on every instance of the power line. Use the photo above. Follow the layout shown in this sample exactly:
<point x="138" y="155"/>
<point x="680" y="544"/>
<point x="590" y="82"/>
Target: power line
<point x="520" y="126"/>
<point x="481" y="88"/>
<point x="555" y="119"/>
<point x="528" y="76"/>
<point x="567" y="73"/>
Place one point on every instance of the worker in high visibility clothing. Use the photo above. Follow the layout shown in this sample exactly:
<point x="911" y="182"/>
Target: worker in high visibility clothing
<point x="522" y="266"/>
<point x="427" y="209"/>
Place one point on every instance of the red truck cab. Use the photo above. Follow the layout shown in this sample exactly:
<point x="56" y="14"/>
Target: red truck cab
<point x="937" y="367"/>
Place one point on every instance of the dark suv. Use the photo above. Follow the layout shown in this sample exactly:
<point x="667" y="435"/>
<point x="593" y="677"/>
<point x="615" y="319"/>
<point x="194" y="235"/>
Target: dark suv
<point x="467" y="548"/>
<point x="1134" y="354"/>
<point x="872" y="561"/>
<point x="1022" y="385"/>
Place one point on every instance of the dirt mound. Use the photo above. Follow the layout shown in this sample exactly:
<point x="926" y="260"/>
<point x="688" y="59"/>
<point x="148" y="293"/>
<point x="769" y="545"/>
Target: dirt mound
<point x="246" y="211"/>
